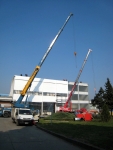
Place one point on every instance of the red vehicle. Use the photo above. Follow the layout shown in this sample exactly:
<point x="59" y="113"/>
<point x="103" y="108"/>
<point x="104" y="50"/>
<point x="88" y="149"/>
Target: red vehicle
<point x="67" y="106"/>
<point x="83" y="114"/>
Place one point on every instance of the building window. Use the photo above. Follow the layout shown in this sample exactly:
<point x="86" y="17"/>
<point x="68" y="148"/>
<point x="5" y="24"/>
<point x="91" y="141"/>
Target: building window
<point x="48" y="107"/>
<point x="28" y="92"/>
<point x="34" y="106"/>
<point x="34" y="93"/>
<point x="48" y="94"/>
<point x="61" y="94"/>
<point x="83" y="97"/>
<point x="16" y="91"/>
<point x="74" y="97"/>
<point x="38" y="93"/>
<point x="71" y="86"/>
<point x="83" y="88"/>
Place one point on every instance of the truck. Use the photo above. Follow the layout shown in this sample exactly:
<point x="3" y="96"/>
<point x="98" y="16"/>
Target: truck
<point x="18" y="106"/>
<point x="83" y="114"/>
<point x="68" y="105"/>
<point x="22" y="116"/>
<point x="5" y="112"/>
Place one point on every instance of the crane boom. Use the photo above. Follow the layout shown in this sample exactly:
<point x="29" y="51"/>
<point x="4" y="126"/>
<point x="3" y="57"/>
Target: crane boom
<point x="65" y="107"/>
<point x="37" y="68"/>
<point x="54" y="40"/>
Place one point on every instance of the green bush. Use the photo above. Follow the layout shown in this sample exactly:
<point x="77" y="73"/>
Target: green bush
<point x="105" y="115"/>
<point x="61" y="116"/>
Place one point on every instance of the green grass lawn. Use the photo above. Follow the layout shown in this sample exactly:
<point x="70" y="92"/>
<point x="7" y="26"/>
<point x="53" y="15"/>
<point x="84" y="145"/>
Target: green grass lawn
<point x="95" y="132"/>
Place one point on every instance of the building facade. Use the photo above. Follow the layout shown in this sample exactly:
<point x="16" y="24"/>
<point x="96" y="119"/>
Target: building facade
<point x="5" y="100"/>
<point x="48" y="95"/>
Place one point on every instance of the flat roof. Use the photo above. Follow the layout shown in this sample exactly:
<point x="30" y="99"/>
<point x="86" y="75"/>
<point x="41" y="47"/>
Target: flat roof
<point x="6" y="98"/>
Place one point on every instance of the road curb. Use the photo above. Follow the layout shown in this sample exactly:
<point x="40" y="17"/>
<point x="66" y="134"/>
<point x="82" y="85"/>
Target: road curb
<point x="77" y="142"/>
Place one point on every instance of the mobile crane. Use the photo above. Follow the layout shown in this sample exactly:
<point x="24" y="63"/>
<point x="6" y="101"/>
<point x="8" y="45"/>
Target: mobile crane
<point x="83" y="114"/>
<point x="18" y="106"/>
<point x="68" y="106"/>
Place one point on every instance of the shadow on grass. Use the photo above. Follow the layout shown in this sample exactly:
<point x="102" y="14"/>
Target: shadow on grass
<point x="96" y="133"/>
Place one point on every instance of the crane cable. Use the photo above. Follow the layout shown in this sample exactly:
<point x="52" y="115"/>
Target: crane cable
<point x="74" y="39"/>
<point x="76" y="56"/>
<point x="93" y="74"/>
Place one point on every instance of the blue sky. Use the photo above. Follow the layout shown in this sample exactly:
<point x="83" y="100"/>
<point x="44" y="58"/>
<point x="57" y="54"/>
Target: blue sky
<point x="27" y="28"/>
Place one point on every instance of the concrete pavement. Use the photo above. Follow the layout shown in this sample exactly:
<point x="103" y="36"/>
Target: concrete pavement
<point x="14" y="137"/>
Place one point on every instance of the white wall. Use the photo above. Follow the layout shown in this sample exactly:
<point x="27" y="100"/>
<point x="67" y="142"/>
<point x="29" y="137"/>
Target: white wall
<point x="47" y="90"/>
<point x="38" y="85"/>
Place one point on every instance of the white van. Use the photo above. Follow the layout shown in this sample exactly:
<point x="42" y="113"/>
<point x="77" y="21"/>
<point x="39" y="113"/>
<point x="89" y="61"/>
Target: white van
<point x="22" y="116"/>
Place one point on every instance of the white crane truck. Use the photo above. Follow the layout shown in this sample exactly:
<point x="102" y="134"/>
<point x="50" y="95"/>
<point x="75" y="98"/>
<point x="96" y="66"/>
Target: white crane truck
<point x="21" y="112"/>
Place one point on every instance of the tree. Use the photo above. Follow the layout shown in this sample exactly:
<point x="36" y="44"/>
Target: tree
<point x="108" y="95"/>
<point x="99" y="100"/>
<point x="105" y="115"/>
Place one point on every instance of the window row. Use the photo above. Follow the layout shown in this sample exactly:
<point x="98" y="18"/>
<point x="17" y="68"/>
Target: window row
<point x="41" y="93"/>
<point x="78" y="88"/>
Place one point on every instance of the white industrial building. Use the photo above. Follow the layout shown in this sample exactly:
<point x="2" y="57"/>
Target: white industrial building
<point x="48" y="95"/>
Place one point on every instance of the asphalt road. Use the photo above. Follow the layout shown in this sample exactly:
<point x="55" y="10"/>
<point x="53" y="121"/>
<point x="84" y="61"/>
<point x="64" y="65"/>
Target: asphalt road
<point x="14" y="137"/>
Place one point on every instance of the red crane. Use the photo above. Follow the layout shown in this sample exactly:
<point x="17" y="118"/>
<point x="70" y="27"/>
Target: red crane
<point x="67" y="106"/>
